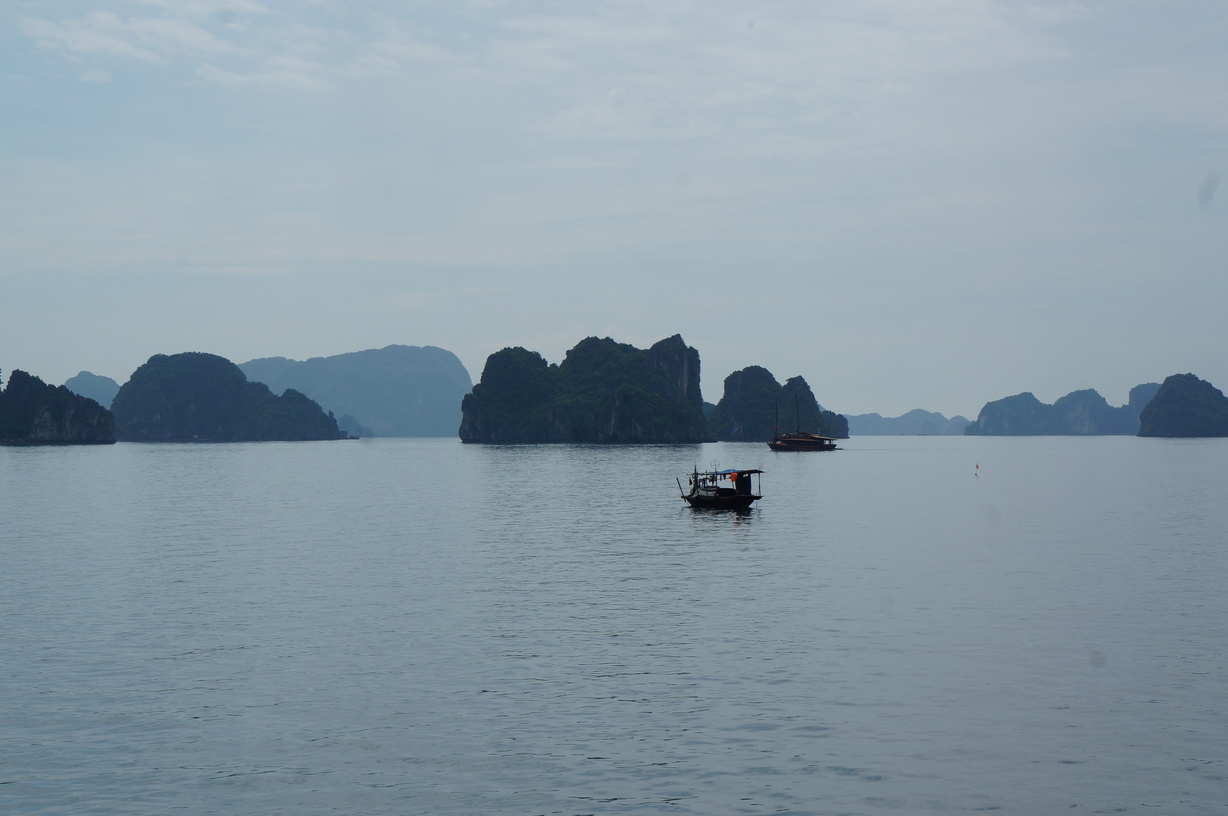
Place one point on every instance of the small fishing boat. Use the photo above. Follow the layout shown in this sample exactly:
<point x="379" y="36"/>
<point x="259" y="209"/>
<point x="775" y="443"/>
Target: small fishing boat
<point x="720" y="489"/>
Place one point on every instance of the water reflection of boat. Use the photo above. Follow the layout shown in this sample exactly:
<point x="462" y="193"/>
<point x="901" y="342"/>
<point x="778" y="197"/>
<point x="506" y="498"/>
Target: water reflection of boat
<point x="721" y="489"/>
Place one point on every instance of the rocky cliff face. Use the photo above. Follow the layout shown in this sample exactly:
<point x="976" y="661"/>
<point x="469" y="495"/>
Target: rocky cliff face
<point x="1185" y="406"/>
<point x="603" y="392"/>
<point x="512" y="402"/>
<point x="678" y="363"/>
<point x="1079" y="413"/>
<point x="748" y="406"/>
<point x="35" y="413"/>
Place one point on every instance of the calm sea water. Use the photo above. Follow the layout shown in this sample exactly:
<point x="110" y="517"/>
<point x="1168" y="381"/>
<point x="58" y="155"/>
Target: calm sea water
<point x="908" y="625"/>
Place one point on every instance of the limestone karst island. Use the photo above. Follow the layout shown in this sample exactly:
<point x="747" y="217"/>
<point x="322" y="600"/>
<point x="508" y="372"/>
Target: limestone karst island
<point x="603" y="392"/>
<point x="204" y="397"/>
<point x="609" y="392"/>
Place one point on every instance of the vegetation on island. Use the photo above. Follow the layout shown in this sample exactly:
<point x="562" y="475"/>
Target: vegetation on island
<point x="603" y="391"/>
<point x="754" y="405"/>
<point x="393" y="391"/>
<point x="35" y="413"/>
<point x="1185" y="406"/>
<point x="204" y="397"/>
<point x="101" y="390"/>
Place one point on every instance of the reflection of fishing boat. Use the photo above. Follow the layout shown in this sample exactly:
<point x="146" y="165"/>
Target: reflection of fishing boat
<point x="721" y="489"/>
<point x="799" y="440"/>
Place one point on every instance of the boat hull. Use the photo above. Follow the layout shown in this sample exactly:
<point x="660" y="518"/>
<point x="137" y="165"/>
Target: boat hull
<point x="721" y="489"/>
<point x="740" y="502"/>
<point x="802" y="442"/>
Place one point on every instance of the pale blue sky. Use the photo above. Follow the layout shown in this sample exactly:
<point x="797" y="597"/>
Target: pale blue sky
<point x="925" y="204"/>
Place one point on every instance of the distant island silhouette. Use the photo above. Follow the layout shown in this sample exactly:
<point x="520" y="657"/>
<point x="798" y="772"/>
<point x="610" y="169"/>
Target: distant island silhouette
<point x="35" y="413"/>
<point x="914" y="423"/>
<point x="98" y="388"/>
<point x="393" y="391"/>
<point x="195" y="396"/>
<point x="1079" y="413"/>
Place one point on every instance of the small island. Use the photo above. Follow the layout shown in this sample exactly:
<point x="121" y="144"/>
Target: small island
<point x="35" y="413"/>
<point x="203" y="397"/>
<point x="754" y="405"/>
<point x="1185" y="406"/>
<point x="1079" y="413"/>
<point x="602" y="392"/>
<point x="917" y="422"/>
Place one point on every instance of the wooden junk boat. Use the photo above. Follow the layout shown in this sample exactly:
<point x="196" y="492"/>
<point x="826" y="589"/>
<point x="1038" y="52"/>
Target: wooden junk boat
<point x="801" y="441"/>
<point x="721" y="489"/>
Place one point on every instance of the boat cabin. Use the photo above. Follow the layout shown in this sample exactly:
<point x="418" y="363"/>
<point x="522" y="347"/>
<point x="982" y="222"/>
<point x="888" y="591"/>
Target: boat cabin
<point x="721" y="488"/>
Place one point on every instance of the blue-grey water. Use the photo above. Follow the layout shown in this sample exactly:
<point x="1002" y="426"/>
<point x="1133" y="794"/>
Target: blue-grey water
<point x="905" y="626"/>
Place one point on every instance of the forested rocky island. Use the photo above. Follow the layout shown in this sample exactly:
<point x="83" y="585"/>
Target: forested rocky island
<point x="35" y="413"/>
<point x="608" y="392"/>
<point x="754" y="404"/>
<point x="603" y="392"/>
<point x="203" y="397"/>
<point x="1079" y="413"/>
<point x="1185" y="406"/>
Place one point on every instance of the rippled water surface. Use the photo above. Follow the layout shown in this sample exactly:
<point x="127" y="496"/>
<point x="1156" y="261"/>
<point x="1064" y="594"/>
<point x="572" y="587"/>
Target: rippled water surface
<point x="908" y="625"/>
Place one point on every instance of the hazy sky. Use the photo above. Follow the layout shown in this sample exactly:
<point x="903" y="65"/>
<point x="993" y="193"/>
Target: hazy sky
<point x="915" y="204"/>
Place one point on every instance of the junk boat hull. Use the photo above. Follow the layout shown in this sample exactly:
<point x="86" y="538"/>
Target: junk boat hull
<point x="802" y="441"/>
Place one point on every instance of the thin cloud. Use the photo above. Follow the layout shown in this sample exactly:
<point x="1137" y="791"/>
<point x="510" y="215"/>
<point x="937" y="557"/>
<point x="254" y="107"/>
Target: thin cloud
<point x="206" y="8"/>
<point x="177" y="36"/>
<point x="279" y="73"/>
<point x="101" y="33"/>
